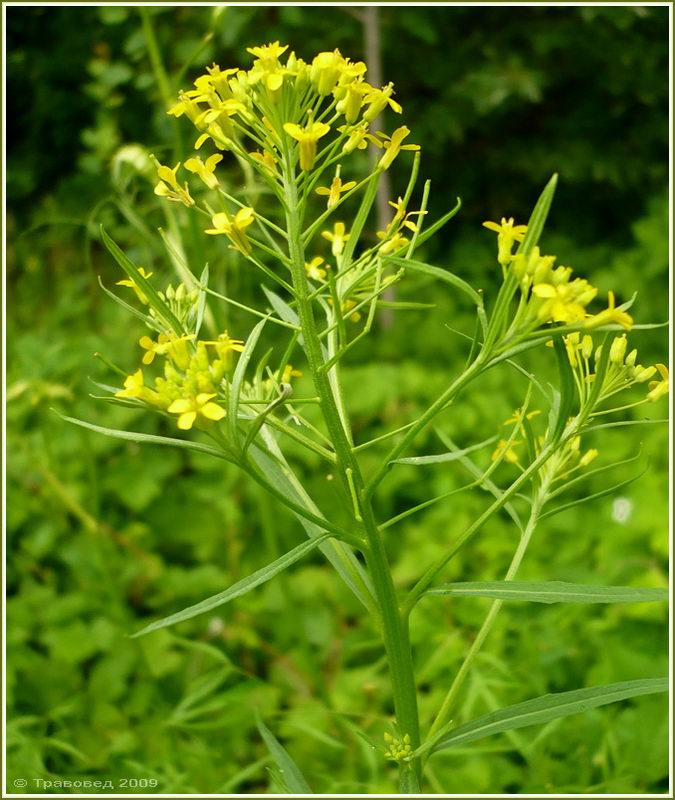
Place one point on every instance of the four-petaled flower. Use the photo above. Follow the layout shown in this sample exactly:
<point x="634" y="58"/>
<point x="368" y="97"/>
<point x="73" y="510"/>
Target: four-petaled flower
<point x="134" y="386"/>
<point x="133" y="285"/>
<point x="610" y="314"/>
<point x="234" y="227"/>
<point x="658" y="389"/>
<point x="377" y="100"/>
<point x="188" y="408"/>
<point x="314" y="270"/>
<point x="508" y="233"/>
<point x="169" y="187"/>
<point x="335" y="190"/>
<point x="307" y="138"/>
<point x="393" y="146"/>
<point x="337" y="237"/>
<point x="205" y="169"/>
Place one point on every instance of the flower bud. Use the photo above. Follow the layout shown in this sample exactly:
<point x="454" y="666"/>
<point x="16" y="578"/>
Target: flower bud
<point x="643" y="374"/>
<point x="631" y="358"/>
<point x="586" y="347"/>
<point x="587" y="457"/>
<point x="618" y="350"/>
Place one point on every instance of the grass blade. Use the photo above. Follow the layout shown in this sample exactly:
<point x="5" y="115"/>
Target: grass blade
<point x="238" y="589"/>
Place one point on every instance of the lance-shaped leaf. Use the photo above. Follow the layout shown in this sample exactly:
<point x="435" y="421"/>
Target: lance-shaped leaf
<point x="455" y="455"/>
<point x="541" y="710"/>
<point x="241" y="587"/>
<point x="438" y="274"/>
<point x="238" y="378"/>
<point x="149" y="438"/>
<point x="293" y="780"/>
<point x="154" y="300"/>
<point x="535" y="224"/>
<point x="551" y="592"/>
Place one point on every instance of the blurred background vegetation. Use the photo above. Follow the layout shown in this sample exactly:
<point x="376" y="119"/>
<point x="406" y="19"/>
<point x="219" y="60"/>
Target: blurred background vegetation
<point x="104" y="536"/>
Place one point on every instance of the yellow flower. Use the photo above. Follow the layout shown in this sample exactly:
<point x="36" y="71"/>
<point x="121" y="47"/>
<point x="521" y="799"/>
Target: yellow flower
<point x="289" y="373"/>
<point x="377" y="100"/>
<point x="133" y="285"/>
<point x="347" y="307"/>
<point x="357" y="138"/>
<point x="205" y="169"/>
<point x="267" y="64"/>
<point x="234" y="228"/>
<point x="659" y="388"/>
<point x="314" y="270"/>
<point x="393" y="146"/>
<point x="506" y="450"/>
<point x="609" y="315"/>
<point x="268" y="52"/>
<point x="154" y="348"/>
<point x="564" y="303"/>
<point x="350" y="99"/>
<point x="396" y="242"/>
<point x="188" y="408"/>
<point x="185" y="105"/>
<point x="307" y="138"/>
<point x="224" y="344"/>
<point x="508" y="233"/>
<point x="338" y="237"/>
<point x="134" y="386"/>
<point x="517" y="417"/>
<point x="169" y="187"/>
<point x="325" y="71"/>
<point x="266" y="160"/>
<point x="336" y="189"/>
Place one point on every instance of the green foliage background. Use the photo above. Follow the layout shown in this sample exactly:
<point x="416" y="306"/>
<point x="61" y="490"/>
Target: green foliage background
<point x="104" y="536"/>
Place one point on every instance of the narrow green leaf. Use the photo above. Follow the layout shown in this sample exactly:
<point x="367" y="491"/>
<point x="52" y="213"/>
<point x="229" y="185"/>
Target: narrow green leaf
<point x="587" y="498"/>
<point x="148" y="438"/>
<point x="535" y="225"/>
<point x="282" y="308"/>
<point x="340" y="555"/>
<point x="431" y="230"/>
<point x="454" y="455"/>
<point x="201" y="308"/>
<point x="567" y="390"/>
<point x="238" y="378"/>
<point x="125" y="306"/>
<point x="241" y="587"/>
<point x="290" y="772"/>
<point x="551" y="592"/>
<point x="439" y="274"/>
<point x="543" y="709"/>
<point x="154" y="300"/>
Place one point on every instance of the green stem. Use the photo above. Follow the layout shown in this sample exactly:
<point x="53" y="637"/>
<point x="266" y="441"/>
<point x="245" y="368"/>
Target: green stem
<point x="443" y="715"/>
<point x="395" y="631"/>
<point x="434" y="409"/>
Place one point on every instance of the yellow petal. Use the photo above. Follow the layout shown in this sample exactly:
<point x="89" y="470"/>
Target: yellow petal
<point x="179" y="406"/>
<point x="213" y="411"/>
<point x="185" y="421"/>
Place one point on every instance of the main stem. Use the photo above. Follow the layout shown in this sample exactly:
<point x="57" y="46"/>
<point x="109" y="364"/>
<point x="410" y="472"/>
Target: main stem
<point x="394" y="628"/>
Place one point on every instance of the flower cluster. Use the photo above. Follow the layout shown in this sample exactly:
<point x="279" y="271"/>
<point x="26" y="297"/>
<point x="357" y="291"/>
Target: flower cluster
<point x="398" y="749"/>
<point x="549" y="293"/>
<point x="313" y="110"/>
<point x="193" y="383"/>
<point x="623" y="369"/>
